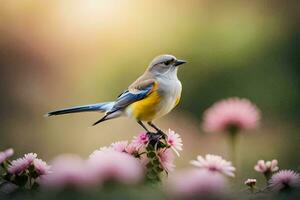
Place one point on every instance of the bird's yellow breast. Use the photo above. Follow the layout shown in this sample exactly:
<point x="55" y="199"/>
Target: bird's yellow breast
<point x="146" y="109"/>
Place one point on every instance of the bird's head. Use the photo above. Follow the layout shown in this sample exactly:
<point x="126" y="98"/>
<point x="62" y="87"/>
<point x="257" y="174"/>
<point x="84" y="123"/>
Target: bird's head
<point x="165" y="65"/>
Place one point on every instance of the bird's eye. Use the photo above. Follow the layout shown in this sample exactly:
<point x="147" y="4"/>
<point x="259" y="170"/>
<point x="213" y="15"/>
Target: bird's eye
<point x="168" y="62"/>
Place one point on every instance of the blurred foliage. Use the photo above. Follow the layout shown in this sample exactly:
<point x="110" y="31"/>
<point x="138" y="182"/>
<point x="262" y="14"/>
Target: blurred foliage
<point x="141" y="192"/>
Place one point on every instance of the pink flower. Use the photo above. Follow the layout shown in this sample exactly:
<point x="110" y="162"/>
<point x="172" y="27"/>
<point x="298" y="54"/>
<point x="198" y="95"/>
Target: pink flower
<point x="231" y="113"/>
<point x="21" y="164"/>
<point x="41" y="167"/>
<point x="141" y="140"/>
<point x="284" y="179"/>
<point x="214" y="163"/>
<point x="144" y="160"/>
<point x="119" y="146"/>
<point x="194" y="184"/>
<point x="266" y="166"/>
<point x="6" y="154"/>
<point x="102" y="149"/>
<point x="30" y="157"/>
<point x="166" y="158"/>
<point x="174" y="140"/>
<point x="9" y="152"/>
<point x="2" y="157"/>
<point x="132" y="148"/>
<point x="68" y="171"/>
<point x="115" y="166"/>
<point x="18" y="166"/>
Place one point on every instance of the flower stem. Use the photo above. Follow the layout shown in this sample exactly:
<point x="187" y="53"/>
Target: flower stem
<point x="233" y="132"/>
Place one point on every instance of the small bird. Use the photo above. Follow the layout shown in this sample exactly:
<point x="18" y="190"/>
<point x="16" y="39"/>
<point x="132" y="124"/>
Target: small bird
<point x="153" y="95"/>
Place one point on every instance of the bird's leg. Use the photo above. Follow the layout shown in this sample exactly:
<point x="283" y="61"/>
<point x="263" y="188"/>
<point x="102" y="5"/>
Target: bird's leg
<point x="158" y="136"/>
<point x="157" y="129"/>
<point x="142" y="125"/>
<point x="153" y="137"/>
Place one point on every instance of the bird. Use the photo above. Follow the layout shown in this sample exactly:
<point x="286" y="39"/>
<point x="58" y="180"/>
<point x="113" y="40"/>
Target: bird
<point x="151" y="96"/>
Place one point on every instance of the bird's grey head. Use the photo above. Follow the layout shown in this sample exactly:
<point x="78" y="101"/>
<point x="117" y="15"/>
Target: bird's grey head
<point x="165" y="65"/>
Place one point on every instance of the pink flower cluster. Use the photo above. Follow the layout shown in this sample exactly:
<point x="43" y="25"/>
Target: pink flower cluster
<point x="20" y="165"/>
<point x="103" y="166"/>
<point x="266" y="166"/>
<point x="280" y="180"/>
<point x="122" y="162"/>
<point x="231" y="113"/>
<point x="138" y="145"/>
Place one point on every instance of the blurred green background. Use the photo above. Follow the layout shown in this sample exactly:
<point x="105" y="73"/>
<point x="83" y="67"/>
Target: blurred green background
<point x="55" y="54"/>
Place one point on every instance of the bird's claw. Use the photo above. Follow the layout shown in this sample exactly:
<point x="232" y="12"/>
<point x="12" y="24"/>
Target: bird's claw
<point x="153" y="136"/>
<point x="156" y="137"/>
<point x="161" y="133"/>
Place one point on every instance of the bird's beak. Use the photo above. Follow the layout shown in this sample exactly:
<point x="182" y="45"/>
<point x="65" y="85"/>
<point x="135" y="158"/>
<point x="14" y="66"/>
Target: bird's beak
<point x="179" y="62"/>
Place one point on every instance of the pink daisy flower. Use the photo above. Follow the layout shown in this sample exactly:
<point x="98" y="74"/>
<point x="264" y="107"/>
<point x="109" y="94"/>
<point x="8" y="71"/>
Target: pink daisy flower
<point x="21" y="164"/>
<point x="231" y="113"/>
<point x="214" y="163"/>
<point x="132" y="148"/>
<point x="6" y="154"/>
<point x="174" y="140"/>
<point x="284" y="179"/>
<point x="194" y="184"/>
<point x="41" y="167"/>
<point x="141" y="140"/>
<point x="115" y="166"/>
<point x="18" y="166"/>
<point x="119" y="146"/>
<point x="30" y="157"/>
<point x="266" y="166"/>
<point x="102" y="149"/>
<point x="166" y="158"/>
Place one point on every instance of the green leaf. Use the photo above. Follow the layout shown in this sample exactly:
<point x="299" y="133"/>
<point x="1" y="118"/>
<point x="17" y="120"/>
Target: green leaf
<point x="7" y="176"/>
<point x="151" y="154"/>
<point x="159" y="169"/>
<point x="34" y="174"/>
<point x="35" y="186"/>
<point x="149" y="165"/>
<point x="31" y="169"/>
<point x="156" y="161"/>
<point x="21" y="180"/>
<point x="149" y="148"/>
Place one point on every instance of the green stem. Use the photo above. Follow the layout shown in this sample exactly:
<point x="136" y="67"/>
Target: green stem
<point x="233" y="143"/>
<point x="267" y="175"/>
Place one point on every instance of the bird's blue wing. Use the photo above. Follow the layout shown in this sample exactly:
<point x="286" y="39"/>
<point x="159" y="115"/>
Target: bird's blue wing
<point x="127" y="98"/>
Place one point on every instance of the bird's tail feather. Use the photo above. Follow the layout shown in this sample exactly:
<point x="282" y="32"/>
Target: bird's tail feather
<point x="109" y="116"/>
<point x="100" y="107"/>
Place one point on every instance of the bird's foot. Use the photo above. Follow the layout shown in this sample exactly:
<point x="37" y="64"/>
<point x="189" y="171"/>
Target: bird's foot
<point x="153" y="137"/>
<point x="161" y="133"/>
